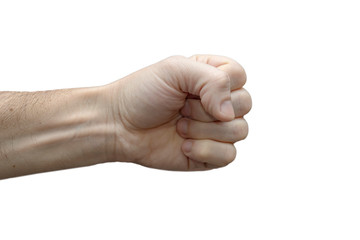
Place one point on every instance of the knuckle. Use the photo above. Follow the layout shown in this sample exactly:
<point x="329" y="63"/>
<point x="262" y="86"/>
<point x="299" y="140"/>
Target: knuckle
<point x="194" y="57"/>
<point x="236" y="131"/>
<point x="239" y="130"/>
<point x="220" y="79"/>
<point x="237" y="72"/>
<point x="246" y="129"/>
<point x="206" y="102"/>
<point x="242" y="73"/>
<point x="223" y="79"/>
<point x="242" y="102"/>
<point x="247" y="101"/>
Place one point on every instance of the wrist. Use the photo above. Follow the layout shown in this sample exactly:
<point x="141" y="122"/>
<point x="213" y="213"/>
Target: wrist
<point x="91" y="129"/>
<point x="122" y="143"/>
<point x="102" y="133"/>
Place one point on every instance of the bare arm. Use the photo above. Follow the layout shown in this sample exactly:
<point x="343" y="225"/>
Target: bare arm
<point x="149" y="117"/>
<point x="51" y="130"/>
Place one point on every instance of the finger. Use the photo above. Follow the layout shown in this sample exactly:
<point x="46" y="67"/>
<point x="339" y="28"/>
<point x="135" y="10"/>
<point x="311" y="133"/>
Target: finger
<point x="235" y="71"/>
<point x="210" y="152"/>
<point x="208" y="82"/>
<point x="232" y="131"/>
<point x="194" y="109"/>
<point x="240" y="99"/>
<point x="194" y="165"/>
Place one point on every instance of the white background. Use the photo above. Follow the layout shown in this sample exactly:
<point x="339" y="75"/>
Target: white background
<point x="296" y="176"/>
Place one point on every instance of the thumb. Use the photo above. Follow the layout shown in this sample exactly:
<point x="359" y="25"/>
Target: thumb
<point x="206" y="81"/>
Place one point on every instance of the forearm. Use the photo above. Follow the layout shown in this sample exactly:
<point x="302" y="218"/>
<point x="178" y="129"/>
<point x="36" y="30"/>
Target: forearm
<point x="52" y="130"/>
<point x="148" y="118"/>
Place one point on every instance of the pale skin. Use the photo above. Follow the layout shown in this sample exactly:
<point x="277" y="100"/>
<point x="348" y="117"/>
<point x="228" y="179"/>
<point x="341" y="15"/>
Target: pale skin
<point x="178" y="114"/>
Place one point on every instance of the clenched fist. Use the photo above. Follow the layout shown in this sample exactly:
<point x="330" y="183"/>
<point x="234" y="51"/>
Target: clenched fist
<point x="180" y="113"/>
<point x="177" y="114"/>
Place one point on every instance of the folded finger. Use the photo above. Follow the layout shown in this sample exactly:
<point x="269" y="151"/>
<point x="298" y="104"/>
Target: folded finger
<point x="240" y="99"/>
<point x="235" y="71"/>
<point x="210" y="152"/>
<point x="194" y="165"/>
<point x="232" y="131"/>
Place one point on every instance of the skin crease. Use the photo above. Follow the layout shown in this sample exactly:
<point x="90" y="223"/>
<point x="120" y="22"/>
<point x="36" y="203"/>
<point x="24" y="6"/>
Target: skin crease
<point x="180" y="114"/>
<point x="150" y="105"/>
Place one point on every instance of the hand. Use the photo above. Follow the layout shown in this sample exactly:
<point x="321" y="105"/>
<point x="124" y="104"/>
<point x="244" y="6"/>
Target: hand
<point x="180" y="113"/>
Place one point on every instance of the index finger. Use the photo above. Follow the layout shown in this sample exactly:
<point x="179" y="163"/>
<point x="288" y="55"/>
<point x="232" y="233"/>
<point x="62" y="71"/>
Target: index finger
<point x="235" y="71"/>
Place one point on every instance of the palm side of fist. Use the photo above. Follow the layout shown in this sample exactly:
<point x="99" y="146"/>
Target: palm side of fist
<point x="180" y="113"/>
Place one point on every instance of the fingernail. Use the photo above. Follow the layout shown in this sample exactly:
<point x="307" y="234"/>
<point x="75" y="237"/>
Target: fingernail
<point x="186" y="109"/>
<point x="183" y="125"/>
<point x="227" y="109"/>
<point x="187" y="146"/>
